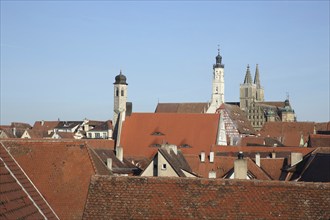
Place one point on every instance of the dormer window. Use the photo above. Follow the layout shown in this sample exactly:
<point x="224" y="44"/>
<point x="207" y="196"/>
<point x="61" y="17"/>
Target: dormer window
<point x="156" y="145"/>
<point x="157" y="133"/>
<point x="185" y="146"/>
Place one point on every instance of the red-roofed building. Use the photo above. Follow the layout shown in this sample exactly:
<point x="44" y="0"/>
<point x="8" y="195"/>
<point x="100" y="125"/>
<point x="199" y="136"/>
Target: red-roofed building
<point x="194" y="198"/>
<point x="289" y="133"/>
<point x="60" y="170"/>
<point x="19" y="198"/>
<point x="143" y="133"/>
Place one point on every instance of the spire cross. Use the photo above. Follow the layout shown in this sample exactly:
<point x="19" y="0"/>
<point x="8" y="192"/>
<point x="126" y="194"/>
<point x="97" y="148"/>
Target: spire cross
<point x="218" y="49"/>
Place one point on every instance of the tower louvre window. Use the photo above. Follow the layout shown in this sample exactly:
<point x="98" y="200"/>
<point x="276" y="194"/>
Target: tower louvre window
<point x="117" y="92"/>
<point x="122" y="92"/>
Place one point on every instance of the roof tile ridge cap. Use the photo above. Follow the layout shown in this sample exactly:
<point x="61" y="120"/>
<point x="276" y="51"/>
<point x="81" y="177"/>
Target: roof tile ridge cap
<point x="90" y="157"/>
<point x="34" y="187"/>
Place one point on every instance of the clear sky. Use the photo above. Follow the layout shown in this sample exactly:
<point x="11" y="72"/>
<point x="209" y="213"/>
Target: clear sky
<point x="59" y="58"/>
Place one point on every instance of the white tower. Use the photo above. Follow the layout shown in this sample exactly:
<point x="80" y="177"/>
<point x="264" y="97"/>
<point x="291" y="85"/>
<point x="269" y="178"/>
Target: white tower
<point x="218" y="85"/>
<point x="120" y="97"/>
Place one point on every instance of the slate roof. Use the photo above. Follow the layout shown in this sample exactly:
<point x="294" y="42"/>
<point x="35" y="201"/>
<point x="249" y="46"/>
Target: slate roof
<point x="60" y="170"/>
<point x="194" y="198"/>
<point x="144" y="133"/>
<point x="198" y="107"/>
<point x="19" y="199"/>
<point x="289" y="133"/>
<point x="314" y="167"/>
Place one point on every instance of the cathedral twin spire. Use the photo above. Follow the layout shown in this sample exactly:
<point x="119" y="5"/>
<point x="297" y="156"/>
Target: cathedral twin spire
<point x="248" y="77"/>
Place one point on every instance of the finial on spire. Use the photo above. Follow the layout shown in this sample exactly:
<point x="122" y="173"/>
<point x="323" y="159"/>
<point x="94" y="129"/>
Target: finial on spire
<point x="287" y="96"/>
<point x="120" y="72"/>
<point x="218" y="49"/>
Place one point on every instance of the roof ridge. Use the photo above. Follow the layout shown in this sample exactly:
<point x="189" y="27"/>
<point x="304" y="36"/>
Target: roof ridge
<point x="90" y="157"/>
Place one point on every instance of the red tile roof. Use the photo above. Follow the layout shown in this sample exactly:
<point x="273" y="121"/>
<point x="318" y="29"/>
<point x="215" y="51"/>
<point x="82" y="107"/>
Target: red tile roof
<point x="272" y="166"/>
<point x="222" y="165"/>
<point x="19" y="199"/>
<point x="198" y="107"/>
<point x="289" y="133"/>
<point x="319" y="140"/>
<point x="194" y="198"/>
<point x="143" y="132"/>
<point x="61" y="171"/>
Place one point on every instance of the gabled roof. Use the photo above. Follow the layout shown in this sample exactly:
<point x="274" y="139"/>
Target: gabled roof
<point x="37" y="134"/>
<point x="60" y="170"/>
<point x="259" y="141"/>
<point x="273" y="166"/>
<point x="68" y="124"/>
<point x="65" y="135"/>
<point x="197" y="107"/>
<point x="144" y="133"/>
<point x="19" y="198"/>
<point x="222" y="165"/>
<point x="105" y="126"/>
<point x="314" y="167"/>
<point x="176" y="160"/>
<point x="239" y="118"/>
<point x="289" y="133"/>
<point x="118" y="167"/>
<point x="45" y="125"/>
<point x="278" y="104"/>
<point x="319" y="140"/>
<point x="195" y="198"/>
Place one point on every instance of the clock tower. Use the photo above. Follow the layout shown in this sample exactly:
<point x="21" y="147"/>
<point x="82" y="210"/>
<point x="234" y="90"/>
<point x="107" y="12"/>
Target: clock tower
<point x="218" y="85"/>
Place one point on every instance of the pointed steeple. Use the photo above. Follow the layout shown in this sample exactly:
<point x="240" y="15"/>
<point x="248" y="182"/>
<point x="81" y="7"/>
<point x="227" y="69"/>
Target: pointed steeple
<point x="248" y="77"/>
<point x="256" y="77"/>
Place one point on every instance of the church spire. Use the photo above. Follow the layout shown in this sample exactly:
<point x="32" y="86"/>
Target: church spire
<point x="218" y="60"/>
<point x="248" y="77"/>
<point x="256" y="77"/>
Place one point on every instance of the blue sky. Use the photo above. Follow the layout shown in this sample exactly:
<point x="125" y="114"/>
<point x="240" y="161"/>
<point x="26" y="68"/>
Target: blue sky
<point x="59" y="58"/>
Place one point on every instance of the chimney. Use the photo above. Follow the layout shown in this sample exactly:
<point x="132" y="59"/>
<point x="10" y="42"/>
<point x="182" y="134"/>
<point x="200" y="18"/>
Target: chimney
<point x="273" y="155"/>
<point x="212" y="174"/>
<point x="258" y="159"/>
<point x="296" y="158"/>
<point x="211" y="157"/>
<point x="120" y="153"/>
<point x="14" y="131"/>
<point x="109" y="163"/>
<point x="240" y="167"/>
<point x="42" y="123"/>
<point x="202" y="156"/>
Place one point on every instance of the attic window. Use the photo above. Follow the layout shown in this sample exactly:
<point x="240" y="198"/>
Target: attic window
<point x="164" y="166"/>
<point x="185" y="146"/>
<point x="157" y="133"/>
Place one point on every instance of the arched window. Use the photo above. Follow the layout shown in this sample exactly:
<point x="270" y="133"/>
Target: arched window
<point x="122" y="92"/>
<point x="117" y="92"/>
